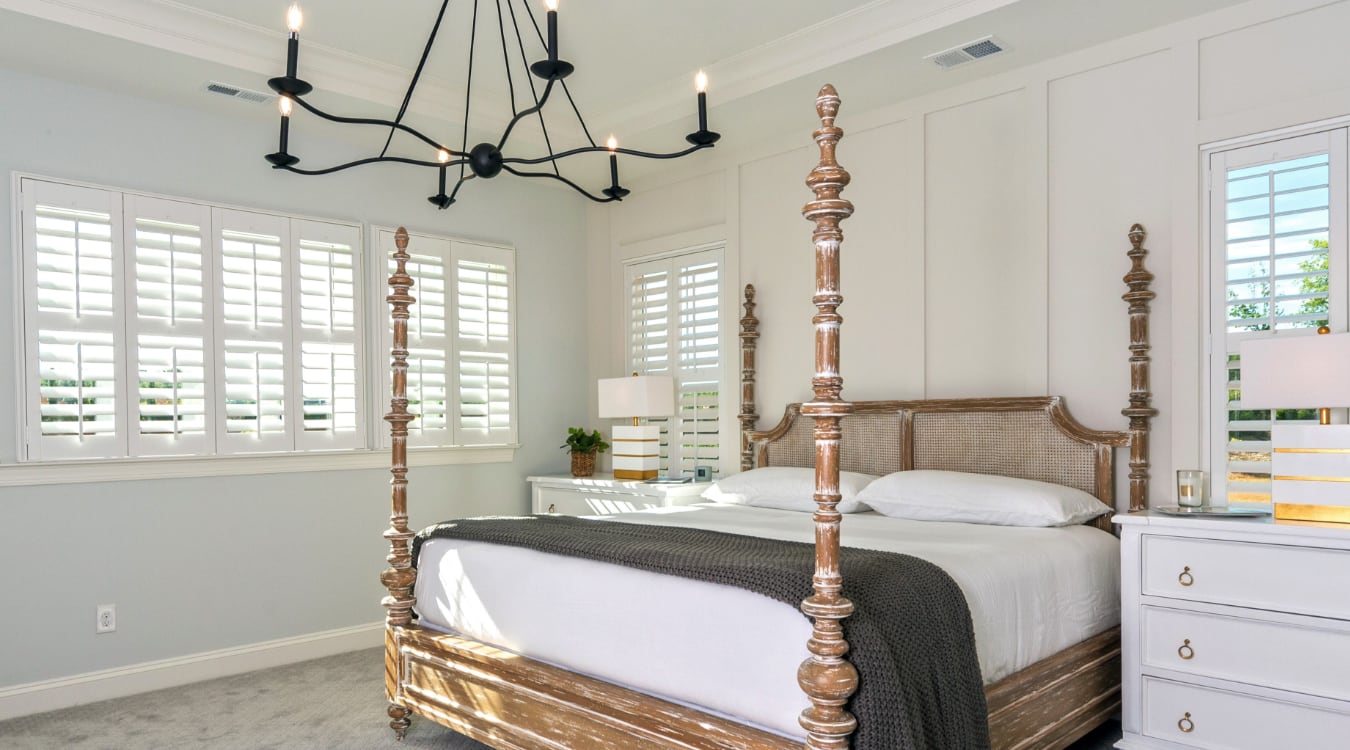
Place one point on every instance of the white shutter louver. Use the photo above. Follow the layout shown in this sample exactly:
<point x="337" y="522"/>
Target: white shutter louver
<point x="253" y="332"/>
<point x="329" y="345"/>
<point x="74" y="323"/>
<point x="170" y="325"/>
<point x="484" y="339"/>
<point x="1275" y="246"/>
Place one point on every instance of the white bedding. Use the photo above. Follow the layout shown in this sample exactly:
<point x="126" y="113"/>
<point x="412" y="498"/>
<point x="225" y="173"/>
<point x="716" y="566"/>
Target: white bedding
<point x="1031" y="591"/>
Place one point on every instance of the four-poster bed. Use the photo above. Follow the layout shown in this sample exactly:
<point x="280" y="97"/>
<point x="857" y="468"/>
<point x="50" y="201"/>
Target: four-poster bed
<point x="509" y="700"/>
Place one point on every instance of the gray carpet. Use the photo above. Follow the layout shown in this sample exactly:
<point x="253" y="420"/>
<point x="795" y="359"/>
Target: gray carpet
<point x="335" y="703"/>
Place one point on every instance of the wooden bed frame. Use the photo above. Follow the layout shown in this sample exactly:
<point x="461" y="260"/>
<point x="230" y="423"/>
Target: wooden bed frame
<point x="513" y="702"/>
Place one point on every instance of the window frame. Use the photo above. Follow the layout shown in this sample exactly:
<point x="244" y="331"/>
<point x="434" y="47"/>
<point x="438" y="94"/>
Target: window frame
<point x="1216" y="161"/>
<point x="728" y="451"/>
<point x="454" y="249"/>
<point x="19" y="468"/>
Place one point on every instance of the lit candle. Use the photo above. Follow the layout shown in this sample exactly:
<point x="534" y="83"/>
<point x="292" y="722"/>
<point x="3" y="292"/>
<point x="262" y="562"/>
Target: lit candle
<point x="443" y="156"/>
<point x="284" y="105"/>
<point x="701" y="86"/>
<point x="612" y="144"/>
<point x="294" y="18"/>
<point x="552" y="29"/>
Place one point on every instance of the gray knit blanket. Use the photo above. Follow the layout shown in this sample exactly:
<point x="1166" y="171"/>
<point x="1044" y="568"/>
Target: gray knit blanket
<point x="911" y="637"/>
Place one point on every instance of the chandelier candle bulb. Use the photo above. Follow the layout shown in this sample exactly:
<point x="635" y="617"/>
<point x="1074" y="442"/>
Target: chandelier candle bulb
<point x="294" y="18"/>
<point x="701" y="86"/>
<point x="612" y="144"/>
<point x="552" y="29"/>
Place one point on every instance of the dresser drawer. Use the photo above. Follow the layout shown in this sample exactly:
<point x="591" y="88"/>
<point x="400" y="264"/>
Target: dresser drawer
<point x="1278" y="655"/>
<point x="590" y="502"/>
<point x="1219" y="720"/>
<point x="1302" y="580"/>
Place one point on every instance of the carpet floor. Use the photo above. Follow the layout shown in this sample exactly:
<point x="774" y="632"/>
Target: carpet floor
<point x="336" y="703"/>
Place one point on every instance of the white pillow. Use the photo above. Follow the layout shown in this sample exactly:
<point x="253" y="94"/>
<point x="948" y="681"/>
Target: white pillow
<point x="924" y="495"/>
<point x="785" y="488"/>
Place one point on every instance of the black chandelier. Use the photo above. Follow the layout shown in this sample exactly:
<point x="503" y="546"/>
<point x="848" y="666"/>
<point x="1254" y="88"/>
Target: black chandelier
<point x="485" y="160"/>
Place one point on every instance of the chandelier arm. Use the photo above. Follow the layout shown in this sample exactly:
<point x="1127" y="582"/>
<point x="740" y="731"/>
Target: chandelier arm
<point x="603" y="149"/>
<point x="369" y="160"/>
<point x="522" y="114"/>
<point x="374" y="121"/>
<point x="534" y="92"/>
<point x="561" y="179"/>
<point x="417" y="75"/>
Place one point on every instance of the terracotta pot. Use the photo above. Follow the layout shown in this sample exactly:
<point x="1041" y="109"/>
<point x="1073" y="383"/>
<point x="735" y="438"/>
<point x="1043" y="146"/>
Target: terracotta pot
<point x="583" y="464"/>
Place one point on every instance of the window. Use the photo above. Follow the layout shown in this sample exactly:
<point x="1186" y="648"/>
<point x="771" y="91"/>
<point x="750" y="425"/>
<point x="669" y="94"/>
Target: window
<point x="1278" y="259"/>
<point x="674" y="329"/>
<point x="158" y="327"/>
<point x="461" y="341"/>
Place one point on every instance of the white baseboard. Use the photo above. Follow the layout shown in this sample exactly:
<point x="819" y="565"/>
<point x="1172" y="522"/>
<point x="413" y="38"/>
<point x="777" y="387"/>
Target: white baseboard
<point x="63" y="692"/>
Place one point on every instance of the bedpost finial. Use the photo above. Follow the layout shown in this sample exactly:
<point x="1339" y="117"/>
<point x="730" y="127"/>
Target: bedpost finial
<point x="1137" y="235"/>
<point x="749" y="292"/>
<point x="401" y="238"/>
<point x="827" y="105"/>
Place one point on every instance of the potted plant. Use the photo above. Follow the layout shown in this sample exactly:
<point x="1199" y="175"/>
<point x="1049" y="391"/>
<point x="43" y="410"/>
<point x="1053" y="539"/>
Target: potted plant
<point x="583" y="446"/>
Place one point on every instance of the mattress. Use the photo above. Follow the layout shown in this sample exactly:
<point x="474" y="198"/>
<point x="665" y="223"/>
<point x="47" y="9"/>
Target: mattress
<point x="1031" y="591"/>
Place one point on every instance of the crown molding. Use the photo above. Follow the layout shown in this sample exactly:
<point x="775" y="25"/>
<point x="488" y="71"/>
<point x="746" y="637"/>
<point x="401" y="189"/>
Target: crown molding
<point x="189" y="31"/>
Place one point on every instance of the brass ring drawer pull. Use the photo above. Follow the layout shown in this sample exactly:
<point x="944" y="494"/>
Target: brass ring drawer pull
<point x="552" y="508"/>
<point x="1185" y="651"/>
<point x="1186" y="579"/>
<point x="1185" y="724"/>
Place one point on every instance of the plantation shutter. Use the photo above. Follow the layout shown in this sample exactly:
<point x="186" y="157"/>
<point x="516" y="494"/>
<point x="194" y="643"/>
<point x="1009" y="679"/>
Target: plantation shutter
<point x="484" y="374"/>
<point x="325" y="273"/>
<point x="1278" y="233"/>
<point x="74" y="325"/>
<point x="253" y="333"/>
<point x="171" y="340"/>
<point x="674" y="328"/>
<point x="698" y="364"/>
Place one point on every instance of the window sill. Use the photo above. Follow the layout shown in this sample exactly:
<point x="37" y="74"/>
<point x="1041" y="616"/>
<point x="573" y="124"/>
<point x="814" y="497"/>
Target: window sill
<point x="126" y="469"/>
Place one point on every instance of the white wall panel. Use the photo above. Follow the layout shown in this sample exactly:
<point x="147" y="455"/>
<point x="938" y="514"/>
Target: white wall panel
<point x="985" y="324"/>
<point x="1108" y="162"/>
<point x="682" y="207"/>
<point x="1282" y="60"/>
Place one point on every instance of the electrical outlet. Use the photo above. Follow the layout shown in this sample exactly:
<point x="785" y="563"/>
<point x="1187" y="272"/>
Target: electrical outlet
<point x="106" y="621"/>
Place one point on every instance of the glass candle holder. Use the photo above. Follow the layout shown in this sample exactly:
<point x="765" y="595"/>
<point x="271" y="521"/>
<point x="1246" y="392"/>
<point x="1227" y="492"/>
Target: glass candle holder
<point x="1190" y="488"/>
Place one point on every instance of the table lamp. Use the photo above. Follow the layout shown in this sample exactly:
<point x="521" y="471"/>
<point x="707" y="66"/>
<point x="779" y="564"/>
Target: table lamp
<point x="1310" y="464"/>
<point x="636" y="448"/>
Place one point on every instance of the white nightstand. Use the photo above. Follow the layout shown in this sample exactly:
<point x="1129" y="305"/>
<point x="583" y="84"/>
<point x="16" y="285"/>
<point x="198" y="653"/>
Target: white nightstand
<point x="1235" y="633"/>
<point x="585" y="496"/>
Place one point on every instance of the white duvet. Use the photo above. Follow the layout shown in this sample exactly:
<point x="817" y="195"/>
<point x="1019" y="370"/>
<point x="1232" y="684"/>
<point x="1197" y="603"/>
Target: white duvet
<point x="1031" y="592"/>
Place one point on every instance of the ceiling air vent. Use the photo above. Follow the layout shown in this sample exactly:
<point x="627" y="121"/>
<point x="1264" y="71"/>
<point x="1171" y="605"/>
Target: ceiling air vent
<point x="968" y="52"/>
<point x="238" y="92"/>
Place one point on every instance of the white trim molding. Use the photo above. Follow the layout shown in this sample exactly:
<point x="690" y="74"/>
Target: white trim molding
<point x="63" y="692"/>
<point x="117" y="470"/>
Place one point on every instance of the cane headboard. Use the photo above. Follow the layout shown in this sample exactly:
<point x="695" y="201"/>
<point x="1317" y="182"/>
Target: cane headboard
<point x="1029" y="438"/>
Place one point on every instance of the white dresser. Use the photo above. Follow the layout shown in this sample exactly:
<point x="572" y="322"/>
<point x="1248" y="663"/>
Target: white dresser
<point x="588" y="496"/>
<point x="1235" y="633"/>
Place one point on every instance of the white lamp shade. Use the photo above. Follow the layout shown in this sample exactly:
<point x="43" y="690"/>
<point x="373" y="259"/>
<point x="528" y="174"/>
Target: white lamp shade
<point x="637" y="396"/>
<point x="1284" y="372"/>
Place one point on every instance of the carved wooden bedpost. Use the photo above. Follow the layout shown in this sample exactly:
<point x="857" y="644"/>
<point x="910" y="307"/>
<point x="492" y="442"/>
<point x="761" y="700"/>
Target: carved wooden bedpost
<point x="1140" y="410"/>
<point x="400" y="575"/>
<point x="749" y="334"/>
<point x="827" y="677"/>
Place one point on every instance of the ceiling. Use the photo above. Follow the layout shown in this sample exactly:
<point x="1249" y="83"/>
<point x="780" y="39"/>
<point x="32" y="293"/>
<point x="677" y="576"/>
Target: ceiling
<point x="635" y="58"/>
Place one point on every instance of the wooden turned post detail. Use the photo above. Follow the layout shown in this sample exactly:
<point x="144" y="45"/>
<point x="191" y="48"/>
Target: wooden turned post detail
<point x="1140" y="410"/>
<point x="399" y="577"/>
<point x="827" y="678"/>
<point x="749" y="335"/>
